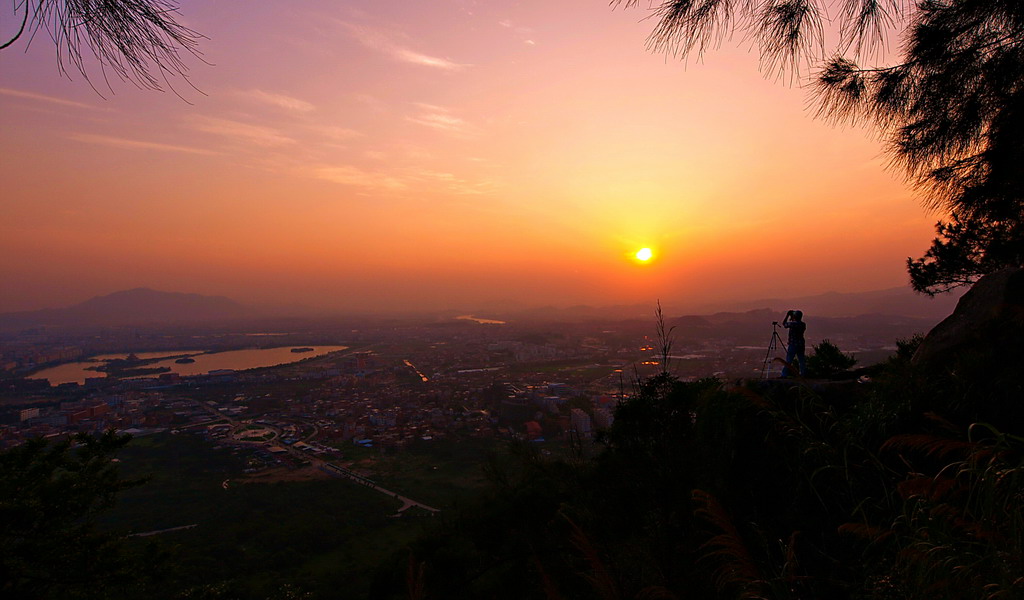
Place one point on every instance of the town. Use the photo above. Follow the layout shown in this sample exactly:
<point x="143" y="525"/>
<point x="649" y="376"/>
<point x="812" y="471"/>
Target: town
<point x="393" y="383"/>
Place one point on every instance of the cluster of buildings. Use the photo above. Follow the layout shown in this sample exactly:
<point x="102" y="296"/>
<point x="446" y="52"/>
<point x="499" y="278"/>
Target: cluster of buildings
<point x="95" y="413"/>
<point x="385" y="396"/>
<point x="399" y="383"/>
<point x="25" y="358"/>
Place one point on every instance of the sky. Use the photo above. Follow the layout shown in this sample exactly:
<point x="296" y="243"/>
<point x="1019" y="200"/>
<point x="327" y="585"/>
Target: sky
<point x="460" y="154"/>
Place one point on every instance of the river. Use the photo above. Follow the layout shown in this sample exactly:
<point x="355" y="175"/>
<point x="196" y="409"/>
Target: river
<point x="479" y="320"/>
<point x="238" y="360"/>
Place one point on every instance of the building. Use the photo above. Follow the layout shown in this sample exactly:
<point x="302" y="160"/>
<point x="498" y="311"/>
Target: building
<point x="580" y="423"/>
<point x="603" y="418"/>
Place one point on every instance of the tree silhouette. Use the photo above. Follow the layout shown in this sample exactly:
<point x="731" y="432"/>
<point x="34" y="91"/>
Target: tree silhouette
<point x="827" y="359"/>
<point x="50" y="496"/>
<point x="139" y="40"/>
<point x="951" y="108"/>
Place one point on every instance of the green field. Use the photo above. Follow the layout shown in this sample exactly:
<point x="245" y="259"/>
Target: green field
<point x="252" y="539"/>
<point x="437" y="473"/>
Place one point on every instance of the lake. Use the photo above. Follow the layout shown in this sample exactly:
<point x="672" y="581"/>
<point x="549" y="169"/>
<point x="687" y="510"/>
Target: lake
<point x="239" y="360"/>
<point x="479" y="320"/>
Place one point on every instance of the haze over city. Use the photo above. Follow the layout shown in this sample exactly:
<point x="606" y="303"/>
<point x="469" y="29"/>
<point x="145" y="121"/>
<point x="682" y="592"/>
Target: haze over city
<point x="453" y="154"/>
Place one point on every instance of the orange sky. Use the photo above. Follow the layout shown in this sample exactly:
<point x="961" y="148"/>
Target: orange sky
<point x="442" y="154"/>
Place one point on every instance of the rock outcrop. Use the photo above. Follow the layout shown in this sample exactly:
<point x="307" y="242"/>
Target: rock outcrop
<point x="989" y="317"/>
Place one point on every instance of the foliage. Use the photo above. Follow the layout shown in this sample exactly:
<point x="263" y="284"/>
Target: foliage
<point x="766" y="490"/>
<point x="951" y="108"/>
<point x="139" y="40"/>
<point x="664" y="337"/>
<point x="967" y="248"/>
<point x="827" y="360"/>
<point x="51" y="494"/>
<point x="897" y="488"/>
<point x="960" y="532"/>
<point x="303" y="539"/>
<point x="905" y="348"/>
<point x="264" y="541"/>
<point x="494" y="547"/>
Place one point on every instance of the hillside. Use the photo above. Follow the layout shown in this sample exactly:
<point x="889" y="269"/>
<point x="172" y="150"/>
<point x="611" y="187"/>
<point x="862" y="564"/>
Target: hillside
<point x="131" y="307"/>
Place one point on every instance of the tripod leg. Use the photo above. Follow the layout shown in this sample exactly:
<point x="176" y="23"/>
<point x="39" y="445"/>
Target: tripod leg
<point x="768" y="354"/>
<point x="788" y="368"/>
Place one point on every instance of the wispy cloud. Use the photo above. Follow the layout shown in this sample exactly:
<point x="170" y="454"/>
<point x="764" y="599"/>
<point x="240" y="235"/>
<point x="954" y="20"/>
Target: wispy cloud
<point x="377" y="40"/>
<point x="338" y="133"/>
<point x="436" y="175"/>
<point x="526" y="31"/>
<point x="453" y="182"/>
<point x="280" y="101"/>
<point x="117" y="142"/>
<point x="417" y="58"/>
<point x="354" y="176"/>
<point x="440" y="121"/>
<point x="440" y="118"/>
<point x="246" y="132"/>
<point x="44" y="98"/>
<point x="429" y="107"/>
<point x="398" y="179"/>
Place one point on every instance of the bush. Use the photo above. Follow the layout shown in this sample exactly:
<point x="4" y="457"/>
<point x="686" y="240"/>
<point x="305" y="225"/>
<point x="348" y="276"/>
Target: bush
<point x="828" y="360"/>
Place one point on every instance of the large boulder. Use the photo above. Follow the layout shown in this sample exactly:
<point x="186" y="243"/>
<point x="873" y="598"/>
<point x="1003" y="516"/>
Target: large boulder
<point x="989" y="318"/>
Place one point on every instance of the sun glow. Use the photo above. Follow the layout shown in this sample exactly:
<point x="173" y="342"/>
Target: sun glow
<point x="644" y="254"/>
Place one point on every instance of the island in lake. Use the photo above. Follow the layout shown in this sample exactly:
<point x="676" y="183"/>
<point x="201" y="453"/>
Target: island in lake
<point x="122" y="370"/>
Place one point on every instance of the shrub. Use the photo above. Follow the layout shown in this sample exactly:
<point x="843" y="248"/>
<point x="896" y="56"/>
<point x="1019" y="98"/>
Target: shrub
<point x="827" y="360"/>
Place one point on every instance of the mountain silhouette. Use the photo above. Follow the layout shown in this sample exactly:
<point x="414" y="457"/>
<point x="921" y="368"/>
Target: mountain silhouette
<point x="901" y="301"/>
<point x="131" y="307"/>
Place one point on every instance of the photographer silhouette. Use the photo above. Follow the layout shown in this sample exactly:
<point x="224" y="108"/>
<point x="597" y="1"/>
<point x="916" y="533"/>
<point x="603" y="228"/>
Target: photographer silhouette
<point x="795" y="348"/>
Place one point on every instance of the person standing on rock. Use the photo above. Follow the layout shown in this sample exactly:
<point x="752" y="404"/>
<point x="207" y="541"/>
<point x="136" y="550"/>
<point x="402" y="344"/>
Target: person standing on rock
<point x="794" y="322"/>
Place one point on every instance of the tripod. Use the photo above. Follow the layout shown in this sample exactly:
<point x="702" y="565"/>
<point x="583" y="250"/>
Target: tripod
<point x="773" y="345"/>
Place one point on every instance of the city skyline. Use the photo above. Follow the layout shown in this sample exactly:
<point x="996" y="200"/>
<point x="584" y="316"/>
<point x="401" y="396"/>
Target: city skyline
<point x="436" y="156"/>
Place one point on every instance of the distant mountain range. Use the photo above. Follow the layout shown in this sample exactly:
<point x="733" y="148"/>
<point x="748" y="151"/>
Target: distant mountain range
<point x="902" y="302"/>
<point x="756" y="325"/>
<point x="131" y="307"/>
<point x="143" y="306"/>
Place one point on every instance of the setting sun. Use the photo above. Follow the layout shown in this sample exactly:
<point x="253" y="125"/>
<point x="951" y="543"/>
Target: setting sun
<point x="554" y="186"/>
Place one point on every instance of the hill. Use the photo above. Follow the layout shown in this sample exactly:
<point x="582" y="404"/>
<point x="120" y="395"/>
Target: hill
<point x="131" y="307"/>
<point x="901" y="301"/>
<point x="892" y="302"/>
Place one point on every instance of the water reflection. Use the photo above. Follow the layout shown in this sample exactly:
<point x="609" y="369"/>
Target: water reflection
<point x="142" y="355"/>
<point x="479" y="320"/>
<point x="238" y="360"/>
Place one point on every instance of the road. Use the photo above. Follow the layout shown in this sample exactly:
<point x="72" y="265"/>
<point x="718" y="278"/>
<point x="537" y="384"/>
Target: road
<point x="407" y="503"/>
<point x="334" y="469"/>
<point x="417" y="371"/>
<point x="159" y="531"/>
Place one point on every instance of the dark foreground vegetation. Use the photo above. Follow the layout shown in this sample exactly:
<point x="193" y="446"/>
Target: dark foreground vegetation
<point x="908" y="486"/>
<point x="905" y="483"/>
